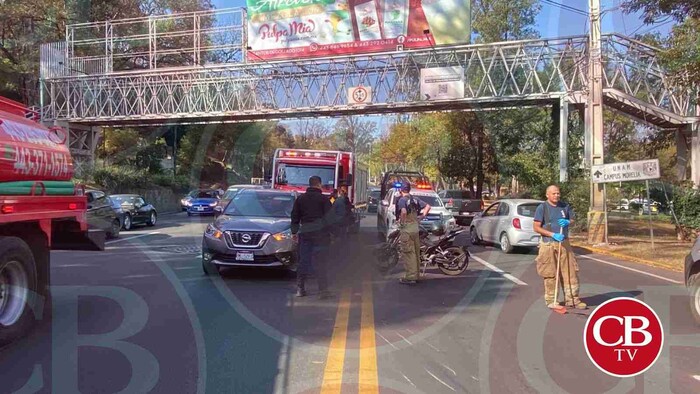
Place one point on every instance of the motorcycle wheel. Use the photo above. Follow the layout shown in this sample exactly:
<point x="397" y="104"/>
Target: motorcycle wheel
<point x="454" y="262"/>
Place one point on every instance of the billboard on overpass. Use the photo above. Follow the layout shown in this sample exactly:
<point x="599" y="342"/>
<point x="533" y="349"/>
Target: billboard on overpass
<point x="292" y="29"/>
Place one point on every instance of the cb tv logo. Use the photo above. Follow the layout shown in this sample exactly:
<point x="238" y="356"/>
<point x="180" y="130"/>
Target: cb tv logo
<point x="623" y="337"/>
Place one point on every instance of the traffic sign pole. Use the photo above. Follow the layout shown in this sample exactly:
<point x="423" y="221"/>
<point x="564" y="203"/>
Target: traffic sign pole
<point x="605" y="207"/>
<point x="651" y="227"/>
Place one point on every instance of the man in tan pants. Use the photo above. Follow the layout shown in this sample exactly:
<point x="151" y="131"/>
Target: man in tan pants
<point x="552" y="221"/>
<point x="409" y="212"/>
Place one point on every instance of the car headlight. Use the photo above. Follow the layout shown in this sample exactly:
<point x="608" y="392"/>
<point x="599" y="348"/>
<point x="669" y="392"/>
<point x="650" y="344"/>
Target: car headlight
<point x="213" y="204"/>
<point x="213" y="232"/>
<point x="283" y="235"/>
<point x="188" y="203"/>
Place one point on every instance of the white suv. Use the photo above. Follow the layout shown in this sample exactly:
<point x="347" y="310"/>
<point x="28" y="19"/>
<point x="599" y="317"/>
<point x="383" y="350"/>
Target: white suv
<point x="386" y="217"/>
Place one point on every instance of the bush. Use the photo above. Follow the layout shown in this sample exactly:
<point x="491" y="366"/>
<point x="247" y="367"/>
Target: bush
<point x="577" y="193"/>
<point x="179" y="183"/>
<point x="686" y="204"/>
<point x="117" y="179"/>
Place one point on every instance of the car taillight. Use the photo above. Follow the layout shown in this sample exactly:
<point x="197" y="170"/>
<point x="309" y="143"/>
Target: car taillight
<point x="482" y="205"/>
<point x="8" y="209"/>
<point x="516" y="223"/>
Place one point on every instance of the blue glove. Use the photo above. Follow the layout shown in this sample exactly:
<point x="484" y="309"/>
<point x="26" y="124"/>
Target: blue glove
<point x="558" y="237"/>
<point x="564" y="222"/>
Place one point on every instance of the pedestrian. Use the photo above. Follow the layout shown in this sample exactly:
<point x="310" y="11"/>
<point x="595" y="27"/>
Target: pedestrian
<point x="552" y="221"/>
<point x="409" y="212"/>
<point x="342" y="214"/>
<point x="310" y="228"/>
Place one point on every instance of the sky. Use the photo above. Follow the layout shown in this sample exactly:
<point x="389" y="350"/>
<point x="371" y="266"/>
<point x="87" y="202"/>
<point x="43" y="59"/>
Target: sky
<point x="552" y="22"/>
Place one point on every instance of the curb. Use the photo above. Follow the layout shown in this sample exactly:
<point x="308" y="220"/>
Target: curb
<point x="638" y="260"/>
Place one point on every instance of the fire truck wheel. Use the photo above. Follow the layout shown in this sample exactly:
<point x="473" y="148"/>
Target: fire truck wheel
<point x="18" y="289"/>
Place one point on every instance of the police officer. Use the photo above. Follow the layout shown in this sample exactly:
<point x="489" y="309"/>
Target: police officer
<point x="310" y="228"/>
<point x="409" y="212"/>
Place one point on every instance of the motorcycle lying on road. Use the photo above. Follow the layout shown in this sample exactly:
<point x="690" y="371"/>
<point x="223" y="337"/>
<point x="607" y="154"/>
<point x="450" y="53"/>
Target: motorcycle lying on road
<point x="437" y="249"/>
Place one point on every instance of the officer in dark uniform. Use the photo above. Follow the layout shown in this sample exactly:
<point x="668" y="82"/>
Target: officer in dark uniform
<point x="409" y="212"/>
<point x="310" y="227"/>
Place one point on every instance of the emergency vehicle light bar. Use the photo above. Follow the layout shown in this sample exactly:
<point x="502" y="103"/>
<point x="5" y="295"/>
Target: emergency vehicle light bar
<point x="307" y="154"/>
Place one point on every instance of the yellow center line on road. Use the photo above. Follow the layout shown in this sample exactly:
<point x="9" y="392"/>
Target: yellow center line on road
<point x="333" y="373"/>
<point x="369" y="379"/>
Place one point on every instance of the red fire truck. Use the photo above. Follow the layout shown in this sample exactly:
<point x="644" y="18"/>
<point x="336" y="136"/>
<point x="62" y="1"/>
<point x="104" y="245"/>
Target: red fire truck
<point x="40" y="210"/>
<point x="292" y="169"/>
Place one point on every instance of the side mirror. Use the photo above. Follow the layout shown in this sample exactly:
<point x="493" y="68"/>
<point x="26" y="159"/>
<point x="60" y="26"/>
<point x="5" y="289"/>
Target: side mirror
<point x="385" y="203"/>
<point x="349" y="180"/>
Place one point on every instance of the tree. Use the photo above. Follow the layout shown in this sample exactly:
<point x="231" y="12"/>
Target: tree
<point x="681" y="54"/>
<point x="354" y="135"/>
<point x="26" y="24"/>
<point x="22" y="31"/>
<point x="503" y="20"/>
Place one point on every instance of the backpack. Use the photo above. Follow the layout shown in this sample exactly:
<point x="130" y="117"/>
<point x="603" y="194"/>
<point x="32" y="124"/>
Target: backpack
<point x="412" y="206"/>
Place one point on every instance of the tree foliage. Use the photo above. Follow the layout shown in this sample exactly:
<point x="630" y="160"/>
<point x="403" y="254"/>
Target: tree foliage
<point x="681" y="54"/>
<point x="26" y="24"/>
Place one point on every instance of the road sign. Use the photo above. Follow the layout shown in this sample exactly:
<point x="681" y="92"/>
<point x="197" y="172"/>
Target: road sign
<point x="626" y="172"/>
<point x="360" y="95"/>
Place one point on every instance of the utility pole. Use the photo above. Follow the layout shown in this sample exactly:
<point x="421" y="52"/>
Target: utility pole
<point x="596" y="223"/>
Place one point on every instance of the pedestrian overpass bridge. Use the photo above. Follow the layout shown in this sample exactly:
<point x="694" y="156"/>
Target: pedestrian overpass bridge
<point x="198" y="69"/>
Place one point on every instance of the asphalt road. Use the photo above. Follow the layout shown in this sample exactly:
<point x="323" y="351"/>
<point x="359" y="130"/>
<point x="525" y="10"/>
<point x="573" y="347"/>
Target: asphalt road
<point x="142" y="317"/>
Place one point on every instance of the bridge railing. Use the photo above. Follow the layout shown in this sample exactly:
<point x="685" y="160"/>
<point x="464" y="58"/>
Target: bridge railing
<point x="495" y="74"/>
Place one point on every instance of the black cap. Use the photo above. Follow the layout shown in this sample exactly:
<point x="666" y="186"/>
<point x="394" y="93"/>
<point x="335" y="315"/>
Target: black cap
<point x="406" y="187"/>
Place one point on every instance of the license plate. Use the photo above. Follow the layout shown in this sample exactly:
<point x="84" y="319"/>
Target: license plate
<point x="245" y="256"/>
<point x="200" y="208"/>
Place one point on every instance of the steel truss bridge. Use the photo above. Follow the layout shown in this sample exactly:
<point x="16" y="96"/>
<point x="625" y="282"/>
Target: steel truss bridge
<point x="196" y="68"/>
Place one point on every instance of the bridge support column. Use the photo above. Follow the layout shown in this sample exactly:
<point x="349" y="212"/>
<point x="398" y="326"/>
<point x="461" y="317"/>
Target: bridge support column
<point x="695" y="154"/>
<point x="596" y="224"/>
<point x="82" y="140"/>
<point x="563" y="139"/>
<point x="681" y="154"/>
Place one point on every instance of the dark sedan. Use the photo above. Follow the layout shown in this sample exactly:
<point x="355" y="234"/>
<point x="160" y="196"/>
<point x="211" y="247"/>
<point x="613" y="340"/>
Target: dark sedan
<point x="100" y="214"/>
<point x="373" y="200"/>
<point x="254" y="231"/>
<point x="204" y="203"/>
<point x="136" y="210"/>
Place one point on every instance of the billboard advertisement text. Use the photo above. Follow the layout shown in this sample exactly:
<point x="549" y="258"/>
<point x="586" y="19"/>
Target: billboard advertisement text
<point x="290" y="29"/>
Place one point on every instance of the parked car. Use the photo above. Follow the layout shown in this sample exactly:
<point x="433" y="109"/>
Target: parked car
<point x="136" y="210"/>
<point x="508" y="223"/>
<point x="254" y="231"/>
<point x="373" y="200"/>
<point x="386" y="215"/>
<point x="203" y="203"/>
<point x="463" y="205"/>
<point x="185" y="201"/>
<point x="100" y="214"/>
<point x="228" y="195"/>
<point x="118" y="210"/>
<point x="692" y="279"/>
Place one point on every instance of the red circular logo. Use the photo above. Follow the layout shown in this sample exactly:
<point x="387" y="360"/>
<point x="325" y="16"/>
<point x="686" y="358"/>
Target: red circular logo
<point x="623" y="337"/>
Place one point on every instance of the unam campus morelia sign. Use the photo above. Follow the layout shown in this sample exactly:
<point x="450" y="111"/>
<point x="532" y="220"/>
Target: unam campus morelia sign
<point x="626" y="172"/>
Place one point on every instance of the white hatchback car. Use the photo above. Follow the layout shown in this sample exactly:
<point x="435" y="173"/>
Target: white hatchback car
<point x="386" y="217"/>
<point x="508" y="223"/>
